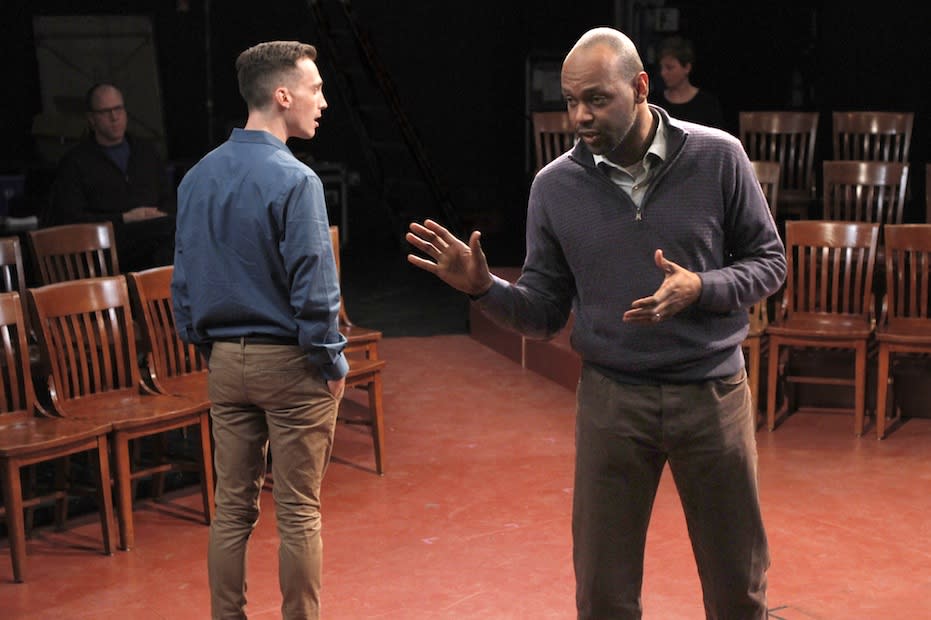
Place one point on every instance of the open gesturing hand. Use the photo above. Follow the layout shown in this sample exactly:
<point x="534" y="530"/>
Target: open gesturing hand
<point x="461" y="266"/>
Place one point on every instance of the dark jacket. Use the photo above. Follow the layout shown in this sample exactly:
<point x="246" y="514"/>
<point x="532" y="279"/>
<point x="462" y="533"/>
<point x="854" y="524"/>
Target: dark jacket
<point x="90" y="187"/>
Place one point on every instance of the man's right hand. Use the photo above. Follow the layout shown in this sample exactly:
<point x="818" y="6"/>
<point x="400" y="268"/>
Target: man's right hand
<point x="461" y="266"/>
<point x="337" y="387"/>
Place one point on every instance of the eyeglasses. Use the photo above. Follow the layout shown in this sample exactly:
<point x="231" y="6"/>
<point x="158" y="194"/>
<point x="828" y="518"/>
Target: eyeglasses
<point x="117" y="109"/>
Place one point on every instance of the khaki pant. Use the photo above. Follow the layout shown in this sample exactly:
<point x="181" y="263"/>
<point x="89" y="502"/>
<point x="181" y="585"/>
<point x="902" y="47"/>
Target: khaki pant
<point x="625" y="434"/>
<point x="268" y="395"/>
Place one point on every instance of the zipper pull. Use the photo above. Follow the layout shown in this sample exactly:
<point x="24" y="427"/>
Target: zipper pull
<point x="639" y="215"/>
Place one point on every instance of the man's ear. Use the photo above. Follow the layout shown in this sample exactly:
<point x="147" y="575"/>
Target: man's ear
<point x="642" y="86"/>
<point x="283" y="97"/>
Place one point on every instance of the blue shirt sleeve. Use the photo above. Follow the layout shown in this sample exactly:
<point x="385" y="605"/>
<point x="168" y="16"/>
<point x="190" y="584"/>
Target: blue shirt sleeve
<point x="315" y="294"/>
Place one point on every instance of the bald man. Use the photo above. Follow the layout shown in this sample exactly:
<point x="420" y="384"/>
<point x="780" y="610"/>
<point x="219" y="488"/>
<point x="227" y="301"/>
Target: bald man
<point x="112" y="176"/>
<point x="656" y="234"/>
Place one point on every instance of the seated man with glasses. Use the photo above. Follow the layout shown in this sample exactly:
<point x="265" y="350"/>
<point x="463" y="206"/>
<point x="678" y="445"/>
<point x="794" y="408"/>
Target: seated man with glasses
<point x="114" y="176"/>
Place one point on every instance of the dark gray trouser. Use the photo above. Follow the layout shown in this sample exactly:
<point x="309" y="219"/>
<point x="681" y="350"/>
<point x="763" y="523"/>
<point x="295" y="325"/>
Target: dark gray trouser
<point x="625" y="434"/>
<point x="261" y="395"/>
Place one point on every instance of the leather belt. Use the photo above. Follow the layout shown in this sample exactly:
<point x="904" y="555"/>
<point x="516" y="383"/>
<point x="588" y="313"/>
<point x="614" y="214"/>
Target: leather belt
<point x="260" y="339"/>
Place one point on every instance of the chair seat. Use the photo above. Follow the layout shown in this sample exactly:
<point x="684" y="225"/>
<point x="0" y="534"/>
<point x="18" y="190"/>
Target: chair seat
<point x="355" y="333"/>
<point x="360" y="368"/>
<point x="126" y="410"/>
<point x="828" y="327"/>
<point x="45" y="433"/>
<point x="191" y="385"/>
<point x="912" y="335"/>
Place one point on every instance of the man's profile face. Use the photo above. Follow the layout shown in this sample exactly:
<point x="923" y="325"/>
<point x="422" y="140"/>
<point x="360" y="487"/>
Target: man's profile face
<point x="307" y="101"/>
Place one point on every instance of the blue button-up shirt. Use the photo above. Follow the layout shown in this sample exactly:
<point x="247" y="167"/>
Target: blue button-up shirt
<point x="253" y="252"/>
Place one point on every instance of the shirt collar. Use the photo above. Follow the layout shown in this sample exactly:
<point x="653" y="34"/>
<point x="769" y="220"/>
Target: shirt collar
<point x="657" y="148"/>
<point x="255" y="136"/>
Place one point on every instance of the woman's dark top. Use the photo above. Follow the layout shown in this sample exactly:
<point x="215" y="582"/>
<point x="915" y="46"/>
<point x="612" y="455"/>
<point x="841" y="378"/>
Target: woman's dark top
<point x="703" y="109"/>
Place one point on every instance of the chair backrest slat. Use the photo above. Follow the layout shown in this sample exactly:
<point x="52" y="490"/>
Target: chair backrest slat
<point x="785" y="137"/>
<point x="86" y="333"/>
<point x="553" y="135"/>
<point x="908" y="273"/>
<point x="74" y="251"/>
<point x="151" y="293"/>
<point x="872" y="135"/>
<point x="864" y="191"/>
<point x="768" y="174"/>
<point x="17" y="397"/>
<point x="830" y="267"/>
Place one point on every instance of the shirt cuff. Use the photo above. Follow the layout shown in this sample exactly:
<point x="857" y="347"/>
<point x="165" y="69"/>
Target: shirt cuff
<point x="337" y="370"/>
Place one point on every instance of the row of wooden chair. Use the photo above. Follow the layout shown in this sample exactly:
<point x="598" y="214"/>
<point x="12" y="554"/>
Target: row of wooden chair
<point x="828" y="305"/>
<point x="788" y="138"/>
<point x="96" y="392"/>
<point x="174" y="370"/>
<point x="75" y="251"/>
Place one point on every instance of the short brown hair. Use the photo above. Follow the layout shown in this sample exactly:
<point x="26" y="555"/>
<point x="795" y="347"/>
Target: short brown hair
<point x="261" y="68"/>
<point x="679" y="48"/>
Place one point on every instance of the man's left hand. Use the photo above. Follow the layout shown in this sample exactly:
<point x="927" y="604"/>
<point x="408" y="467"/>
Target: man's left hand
<point x="679" y="290"/>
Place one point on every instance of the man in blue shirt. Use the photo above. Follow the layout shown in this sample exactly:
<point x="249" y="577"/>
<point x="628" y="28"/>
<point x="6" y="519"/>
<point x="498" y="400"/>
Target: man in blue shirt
<point x="255" y="287"/>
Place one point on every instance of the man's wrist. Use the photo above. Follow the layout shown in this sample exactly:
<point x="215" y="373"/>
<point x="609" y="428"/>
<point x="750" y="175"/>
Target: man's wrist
<point x="477" y="296"/>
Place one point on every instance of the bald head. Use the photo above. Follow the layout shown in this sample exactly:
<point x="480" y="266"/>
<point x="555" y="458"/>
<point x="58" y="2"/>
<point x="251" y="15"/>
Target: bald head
<point x="606" y="89"/>
<point x="626" y="57"/>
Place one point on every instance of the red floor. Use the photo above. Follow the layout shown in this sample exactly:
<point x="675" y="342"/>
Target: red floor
<point x="471" y="520"/>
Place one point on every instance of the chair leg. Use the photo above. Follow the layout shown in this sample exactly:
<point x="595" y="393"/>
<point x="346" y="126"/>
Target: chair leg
<point x="860" y="378"/>
<point x="378" y="422"/>
<point x="124" y="492"/>
<point x="16" y="524"/>
<point x="753" y="376"/>
<point x="32" y="483"/>
<point x="772" y="378"/>
<point x="206" y="470"/>
<point x="883" y="389"/>
<point x="160" y="456"/>
<point x="62" y="475"/>
<point x="105" y="496"/>
<point x="136" y="446"/>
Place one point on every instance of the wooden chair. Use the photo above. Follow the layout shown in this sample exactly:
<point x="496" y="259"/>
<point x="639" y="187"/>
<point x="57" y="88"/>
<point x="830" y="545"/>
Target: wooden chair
<point x="768" y="174"/>
<point x="755" y="344"/>
<point x="13" y="278"/>
<point x="872" y="136"/>
<point x="74" y="251"/>
<point x="928" y="193"/>
<point x="365" y="374"/>
<point x="358" y="338"/>
<point x="89" y="343"/>
<point x="26" y="440"/>
<point x="754" y="347"/>
<point x="905" y="324"/>
<point x="364" y="367"/>
<point x="173" y="366"/>
<point x="864" y="191"/>
<point x="12" y="273"/>
<point x="553" y="135"/>
<point x="788" y="138"/>
<point x="827" y="305"/>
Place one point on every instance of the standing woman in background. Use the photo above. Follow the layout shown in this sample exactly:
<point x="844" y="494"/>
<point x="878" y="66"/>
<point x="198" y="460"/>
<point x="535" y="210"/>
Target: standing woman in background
<point x="681" y="98"/>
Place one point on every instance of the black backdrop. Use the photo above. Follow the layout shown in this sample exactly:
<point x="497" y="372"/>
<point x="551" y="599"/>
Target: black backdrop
<point x="460" y="72"/>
